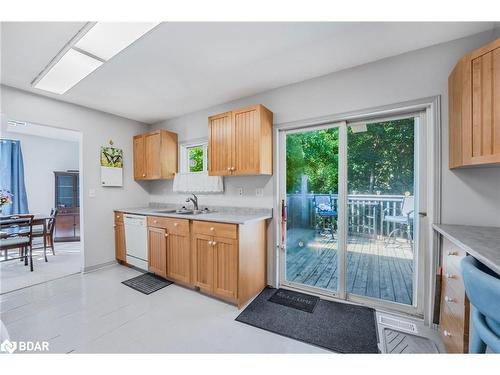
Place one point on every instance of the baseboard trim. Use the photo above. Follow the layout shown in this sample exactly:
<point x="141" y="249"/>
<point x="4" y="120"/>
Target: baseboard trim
<point x="96" y="267"/>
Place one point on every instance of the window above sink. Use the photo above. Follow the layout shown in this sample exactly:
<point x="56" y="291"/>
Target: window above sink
<point x="193" y="156"/>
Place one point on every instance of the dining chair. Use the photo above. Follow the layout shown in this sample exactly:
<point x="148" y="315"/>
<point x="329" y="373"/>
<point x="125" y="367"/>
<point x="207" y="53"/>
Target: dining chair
<point x="482" y="287"/>
<point x="17" y="234"/>
<point x="51" y="225"/>
<point x="46" y="233"/>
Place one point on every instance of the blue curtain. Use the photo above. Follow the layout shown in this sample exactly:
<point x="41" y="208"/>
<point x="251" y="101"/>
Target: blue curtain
<point x="12" y="176"/>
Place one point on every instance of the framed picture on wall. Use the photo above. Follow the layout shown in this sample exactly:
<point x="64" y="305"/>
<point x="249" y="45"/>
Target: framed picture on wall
<point x="111" y="166"/>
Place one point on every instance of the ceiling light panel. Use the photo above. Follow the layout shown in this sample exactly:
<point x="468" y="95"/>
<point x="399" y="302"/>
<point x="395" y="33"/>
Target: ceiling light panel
<point x="67" y="72"/>
<point x="106" y="39"/>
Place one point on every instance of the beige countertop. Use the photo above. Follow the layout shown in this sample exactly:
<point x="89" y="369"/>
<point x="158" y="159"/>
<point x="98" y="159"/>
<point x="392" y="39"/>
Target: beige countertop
<point x="237" y="215"/>
<point x="483" y="243"/>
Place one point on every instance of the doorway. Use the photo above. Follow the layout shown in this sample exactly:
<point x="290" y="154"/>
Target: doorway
<point x="51" y="160"/>
<point x="352" y="193"/>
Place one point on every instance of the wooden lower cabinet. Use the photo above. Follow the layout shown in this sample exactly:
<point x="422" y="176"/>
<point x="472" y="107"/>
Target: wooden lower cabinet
<point x="225" y="267"/>
<point x="179" y="257"/>
<point x="120" y="253"/>
<point x="204" y="262"/>
<point x="227" y="261"/>
<point x="233" y="269"/>
<point x="67" y="225"/>
<point x="454" y="307"/>
<point x="157" y="251"/>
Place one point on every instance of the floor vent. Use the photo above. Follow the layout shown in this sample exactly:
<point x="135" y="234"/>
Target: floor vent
<point x="398" y="324"/>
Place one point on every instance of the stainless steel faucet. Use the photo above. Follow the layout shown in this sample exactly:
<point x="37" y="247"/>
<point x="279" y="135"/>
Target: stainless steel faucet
<point x="194" y="199"/>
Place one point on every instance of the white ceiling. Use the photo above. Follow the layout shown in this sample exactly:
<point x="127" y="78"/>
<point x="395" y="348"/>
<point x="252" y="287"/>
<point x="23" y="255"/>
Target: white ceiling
<point x="181" y="67"/>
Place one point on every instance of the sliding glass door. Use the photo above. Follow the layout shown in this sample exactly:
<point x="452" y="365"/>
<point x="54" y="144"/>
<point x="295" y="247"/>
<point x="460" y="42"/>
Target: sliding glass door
<point x="351" y="195"/>
<point x="312" y="240"/>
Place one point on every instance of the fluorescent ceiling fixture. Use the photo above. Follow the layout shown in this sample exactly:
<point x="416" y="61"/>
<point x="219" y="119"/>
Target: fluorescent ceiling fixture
<point x="106" y="39"/>
<point x="67" y="72"/>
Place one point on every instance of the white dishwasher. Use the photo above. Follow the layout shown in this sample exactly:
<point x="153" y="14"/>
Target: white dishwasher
<point x="136" y="240"/>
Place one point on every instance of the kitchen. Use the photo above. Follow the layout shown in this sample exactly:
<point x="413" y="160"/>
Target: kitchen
<point x="254" y="210"/>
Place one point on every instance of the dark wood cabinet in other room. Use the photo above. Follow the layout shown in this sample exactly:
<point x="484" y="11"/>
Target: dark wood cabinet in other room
<point x="67" y="202"/>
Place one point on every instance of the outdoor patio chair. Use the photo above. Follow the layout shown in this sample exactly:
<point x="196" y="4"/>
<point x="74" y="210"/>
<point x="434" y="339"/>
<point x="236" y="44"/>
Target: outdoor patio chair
<point x="325" y="211"/>
<point x="403" y="222"/>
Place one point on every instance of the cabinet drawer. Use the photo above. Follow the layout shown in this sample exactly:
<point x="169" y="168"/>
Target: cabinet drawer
<point x="453" y="302"/>
<point x="452" y="334"/>
<point x="176" y="226"/>
<point x="118" y="217"/>
<point x="452" y="256"/>
<point x="216" y="229"/>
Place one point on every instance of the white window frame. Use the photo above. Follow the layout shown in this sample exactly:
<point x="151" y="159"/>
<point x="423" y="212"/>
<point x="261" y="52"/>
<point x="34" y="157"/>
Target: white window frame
<point x="184" y="155"/>
<point x="431" y="114"/>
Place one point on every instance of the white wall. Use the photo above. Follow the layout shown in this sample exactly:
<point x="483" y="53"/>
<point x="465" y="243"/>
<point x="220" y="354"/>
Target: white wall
<point x="470" y="196"/>
<point x="96" y="129"/>
<point x="42" y="156"/>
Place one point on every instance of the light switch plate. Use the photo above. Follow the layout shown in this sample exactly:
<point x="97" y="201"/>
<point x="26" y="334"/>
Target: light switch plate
<point x="92" y="193"/>
<point x="240" y="191"/>
<point x="259" y="192"/>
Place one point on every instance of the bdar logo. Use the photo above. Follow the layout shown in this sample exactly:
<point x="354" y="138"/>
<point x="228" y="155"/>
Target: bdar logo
<point x="8" y="346"/>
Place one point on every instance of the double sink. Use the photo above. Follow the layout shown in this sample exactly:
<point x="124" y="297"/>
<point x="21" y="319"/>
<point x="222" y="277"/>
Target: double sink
<point x="185" y="211"/>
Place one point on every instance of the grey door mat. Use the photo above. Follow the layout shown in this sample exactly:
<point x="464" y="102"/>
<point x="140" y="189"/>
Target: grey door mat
<point x="147" y="283"/>
<point x="397" y="342"/>
<point x="335" y="326"/>
<point x="296" y="300"/>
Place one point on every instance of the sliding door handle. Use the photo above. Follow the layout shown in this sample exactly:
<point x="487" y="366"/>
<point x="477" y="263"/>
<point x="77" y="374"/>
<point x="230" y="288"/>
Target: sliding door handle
<point x="422" y="214"/>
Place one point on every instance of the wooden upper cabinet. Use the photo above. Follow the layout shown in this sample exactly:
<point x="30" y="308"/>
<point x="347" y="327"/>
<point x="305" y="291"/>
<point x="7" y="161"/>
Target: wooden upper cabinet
<point x="220" y="157"/>
<point x="474" y="108"/>
<point x="241" y="142"/>
<point x="139" y="157"/>
<point x="152" y="145"/>
<point x="155" y="155"/>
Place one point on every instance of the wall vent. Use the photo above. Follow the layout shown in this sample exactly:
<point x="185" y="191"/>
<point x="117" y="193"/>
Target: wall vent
<point x="398" y="324"/>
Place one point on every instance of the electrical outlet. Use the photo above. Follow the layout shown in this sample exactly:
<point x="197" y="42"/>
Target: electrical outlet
<point x="259" y="192"/>
<point x="240" y="191"/>
<point x="91" y="193"/>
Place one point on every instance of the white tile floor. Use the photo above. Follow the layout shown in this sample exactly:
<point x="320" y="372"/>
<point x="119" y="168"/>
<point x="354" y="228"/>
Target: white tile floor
<point x="14" y="275"/>
<point x="95" y="313"/>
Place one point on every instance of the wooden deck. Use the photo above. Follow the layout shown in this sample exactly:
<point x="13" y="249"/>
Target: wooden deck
<point x="373" y="269"/>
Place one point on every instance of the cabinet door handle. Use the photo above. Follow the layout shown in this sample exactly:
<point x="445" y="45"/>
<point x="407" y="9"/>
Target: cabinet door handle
<point x="449" y="276"/>
<point x="155" y="222"/>
<point x="210" y="243"/>
<point x="446" y="333"/>
<point x="175" y="224"/>
<point x="166" y="234"/>
<point x="452" y="253"/>
<point x="214" y="243"/>
<point x="228" y="168"/>
<point x="212" y="229"/>
<point x="449" y="299"/>
<point x="233" y="169"/>
<point x="144" y="175"/>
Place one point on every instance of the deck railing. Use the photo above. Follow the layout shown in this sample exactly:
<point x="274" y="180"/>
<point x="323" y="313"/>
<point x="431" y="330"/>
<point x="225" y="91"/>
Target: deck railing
<point x="365" y="212"/>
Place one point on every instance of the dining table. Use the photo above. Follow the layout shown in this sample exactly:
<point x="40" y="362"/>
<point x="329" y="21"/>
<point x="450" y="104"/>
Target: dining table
<point x="38" y="220"/>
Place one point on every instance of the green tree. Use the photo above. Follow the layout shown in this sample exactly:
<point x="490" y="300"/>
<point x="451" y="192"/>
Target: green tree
<point x="196" y="159"/>
<point x="379" y="159"/>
